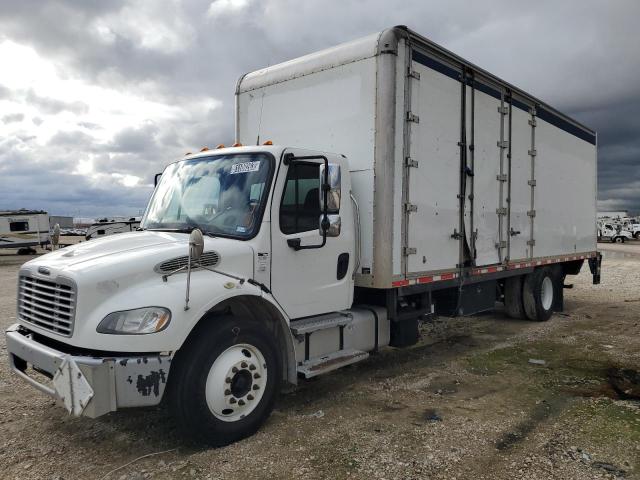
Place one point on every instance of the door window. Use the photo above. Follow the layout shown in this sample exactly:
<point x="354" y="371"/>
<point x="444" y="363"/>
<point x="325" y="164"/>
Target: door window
<point x="300" y="207"/>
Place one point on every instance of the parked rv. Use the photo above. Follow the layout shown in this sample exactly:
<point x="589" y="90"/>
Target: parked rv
<point x="405" y="182"/>
<point x="24" y="229"/>
<point x="105" y="227"/>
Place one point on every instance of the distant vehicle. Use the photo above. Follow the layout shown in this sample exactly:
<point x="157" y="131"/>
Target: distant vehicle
<point x="614" y="233"/>
<point x="634" y="228"/>
<point x="24" y="229"/>
<point x="105" y="227"/>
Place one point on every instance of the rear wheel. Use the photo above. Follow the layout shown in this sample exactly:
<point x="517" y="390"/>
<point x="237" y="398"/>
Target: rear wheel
<point x="224" y="381"/>
<point x="538" y="294"/>
<point x="513" y="297"/>
<point x="619" y="240"/>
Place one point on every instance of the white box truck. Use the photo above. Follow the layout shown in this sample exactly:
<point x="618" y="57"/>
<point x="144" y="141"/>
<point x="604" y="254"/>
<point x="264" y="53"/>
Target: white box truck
<point x="447" y="190"/>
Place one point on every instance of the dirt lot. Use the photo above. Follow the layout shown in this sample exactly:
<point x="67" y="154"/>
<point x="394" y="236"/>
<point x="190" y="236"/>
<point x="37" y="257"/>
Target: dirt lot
<point x="466" y="402"/>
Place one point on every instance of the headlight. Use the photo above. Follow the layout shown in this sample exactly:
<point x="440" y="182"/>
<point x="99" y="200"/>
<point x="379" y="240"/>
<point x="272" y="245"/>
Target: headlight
<point x="136" y="322"/>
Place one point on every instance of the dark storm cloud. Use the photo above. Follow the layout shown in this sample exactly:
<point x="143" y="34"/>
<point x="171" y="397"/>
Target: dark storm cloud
<point x="580" y="56"/>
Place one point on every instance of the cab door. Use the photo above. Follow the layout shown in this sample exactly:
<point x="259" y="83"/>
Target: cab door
<point x="313" y="280"/>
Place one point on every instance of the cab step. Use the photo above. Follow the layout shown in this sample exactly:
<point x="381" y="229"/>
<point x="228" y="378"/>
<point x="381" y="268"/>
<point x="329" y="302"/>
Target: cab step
<point x="320" y="322"/>
<point x="333" y="361"/>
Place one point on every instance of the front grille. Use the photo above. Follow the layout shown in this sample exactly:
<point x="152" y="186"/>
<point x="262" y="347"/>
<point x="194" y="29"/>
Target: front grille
<point x="208" y="259"/>
<point x="47" y="304"/>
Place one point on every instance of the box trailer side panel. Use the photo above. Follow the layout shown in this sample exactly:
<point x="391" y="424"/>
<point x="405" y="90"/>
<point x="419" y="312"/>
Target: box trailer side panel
<point x="519" y="191"/>
<point x="565" y="192"/>
<point x="432" y="210"/>
<point x="485" y="128"/>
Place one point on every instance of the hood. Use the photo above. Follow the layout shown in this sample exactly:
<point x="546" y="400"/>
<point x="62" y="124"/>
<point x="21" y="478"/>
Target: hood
<point x="131" y="253"/>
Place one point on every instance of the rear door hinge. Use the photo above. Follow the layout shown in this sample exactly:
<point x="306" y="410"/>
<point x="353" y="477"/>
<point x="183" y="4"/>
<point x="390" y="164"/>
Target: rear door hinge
<point x="503" y="143"/>
<point x="410" y="162"/>
<point x="501" y="211"/>
<point x="456" y="235"/>
<point x="531" y="242"/>
<point x="413" y="74"/>
<point x="531" y="183"/>
<point x="502" y="177"/>
<point x="412" y="118"/>
<point x="503" y="110"/>
<point x="502" y="244"/>
<point x="409" y="251"/>
<point x="410" y="208"/>
<point x="531" y="213"/>
<point x="533" y="153"/>
<point x="533" y="122"/>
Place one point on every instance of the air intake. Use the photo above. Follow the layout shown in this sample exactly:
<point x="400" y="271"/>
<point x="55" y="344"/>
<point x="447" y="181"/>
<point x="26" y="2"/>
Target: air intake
<point x="208" y="259"/>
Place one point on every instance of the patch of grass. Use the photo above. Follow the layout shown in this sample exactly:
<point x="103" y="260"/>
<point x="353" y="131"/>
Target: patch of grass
<point x="564" y="364"/>
<point x="609" y="430"/>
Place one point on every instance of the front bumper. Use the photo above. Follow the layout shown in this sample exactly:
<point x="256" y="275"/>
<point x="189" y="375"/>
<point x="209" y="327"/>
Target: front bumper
<point x="88" y="385"/>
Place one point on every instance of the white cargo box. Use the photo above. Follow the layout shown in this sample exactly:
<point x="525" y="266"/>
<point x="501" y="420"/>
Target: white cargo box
<point x="455" y="171"/>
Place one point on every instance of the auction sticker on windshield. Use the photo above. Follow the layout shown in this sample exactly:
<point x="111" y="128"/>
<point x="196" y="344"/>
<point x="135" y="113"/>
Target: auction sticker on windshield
<point x="245" y="167"/>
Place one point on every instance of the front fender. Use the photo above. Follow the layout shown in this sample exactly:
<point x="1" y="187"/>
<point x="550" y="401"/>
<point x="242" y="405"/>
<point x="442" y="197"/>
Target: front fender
<point x="260" y="305"/>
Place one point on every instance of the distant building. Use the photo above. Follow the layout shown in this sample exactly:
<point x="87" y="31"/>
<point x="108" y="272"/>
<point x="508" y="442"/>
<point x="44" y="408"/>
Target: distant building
<point x="64" y="222"/>
<point x="614" y="214"/>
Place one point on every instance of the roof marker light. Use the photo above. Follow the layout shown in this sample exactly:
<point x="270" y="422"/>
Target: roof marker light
<point x="236" y="145"/>
<point x="204" y="149"/>
<point x="268" y="142"/>
<point x="220" y="145"/>
<point x="188" y="153"/>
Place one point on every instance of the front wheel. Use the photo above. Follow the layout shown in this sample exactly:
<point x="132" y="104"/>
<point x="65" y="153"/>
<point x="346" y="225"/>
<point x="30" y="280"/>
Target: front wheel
<point x="224" y="381"/>
<point x="619" y="240"/>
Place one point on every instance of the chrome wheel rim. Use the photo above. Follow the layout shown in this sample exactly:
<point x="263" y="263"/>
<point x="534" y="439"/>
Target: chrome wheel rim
<point x="547" y="293"/>
<point x="236" y="382"/>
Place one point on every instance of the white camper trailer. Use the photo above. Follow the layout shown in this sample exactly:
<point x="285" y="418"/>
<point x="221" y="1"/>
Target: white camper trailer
<point x="106" y="227"/>
<point x="24" y="229"/>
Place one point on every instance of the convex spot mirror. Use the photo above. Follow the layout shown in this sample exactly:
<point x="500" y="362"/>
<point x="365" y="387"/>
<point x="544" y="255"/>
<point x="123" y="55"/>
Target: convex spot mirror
<point x="333" y="192"/>
<point x="196" y="245"/>
<point x="332" y="225"/>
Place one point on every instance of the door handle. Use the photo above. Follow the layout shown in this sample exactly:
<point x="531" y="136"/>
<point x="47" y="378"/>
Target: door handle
<point x="513" y="232"/>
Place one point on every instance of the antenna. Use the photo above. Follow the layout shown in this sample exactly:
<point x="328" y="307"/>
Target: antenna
<point x="260" y="117"/>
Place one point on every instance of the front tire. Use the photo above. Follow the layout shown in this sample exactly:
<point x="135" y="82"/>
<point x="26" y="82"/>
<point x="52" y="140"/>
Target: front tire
<point x="619" y="240"/>
<point x="224" y="381"/>
<point x="538" y="293"/>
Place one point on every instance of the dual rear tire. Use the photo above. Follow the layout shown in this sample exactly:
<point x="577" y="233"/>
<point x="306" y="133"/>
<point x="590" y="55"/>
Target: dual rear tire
<point x="531" y="296"/>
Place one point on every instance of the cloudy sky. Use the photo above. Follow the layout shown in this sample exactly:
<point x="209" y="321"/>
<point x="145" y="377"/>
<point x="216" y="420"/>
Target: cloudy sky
<point x="97" y="96"/>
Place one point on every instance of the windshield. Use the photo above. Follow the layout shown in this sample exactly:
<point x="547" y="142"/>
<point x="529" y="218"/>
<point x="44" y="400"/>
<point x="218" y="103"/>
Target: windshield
<point x="220" y="195"/>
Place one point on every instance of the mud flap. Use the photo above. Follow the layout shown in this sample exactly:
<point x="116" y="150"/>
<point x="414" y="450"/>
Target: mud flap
<point x="595" y="264"/>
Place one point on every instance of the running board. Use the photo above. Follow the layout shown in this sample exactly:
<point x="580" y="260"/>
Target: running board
<point x="321" y="322"/>
<point x="333" y="361"/>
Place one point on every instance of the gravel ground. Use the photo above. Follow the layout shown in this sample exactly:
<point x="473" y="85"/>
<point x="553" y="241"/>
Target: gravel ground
<point x="466" y="402"/>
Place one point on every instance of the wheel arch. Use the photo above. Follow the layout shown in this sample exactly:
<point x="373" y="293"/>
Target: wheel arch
<point x="258" y="309"/>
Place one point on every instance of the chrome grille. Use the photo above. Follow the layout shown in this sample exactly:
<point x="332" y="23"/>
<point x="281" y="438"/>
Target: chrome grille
<point x="208" y="259"/>
<point x="47" y="304"/>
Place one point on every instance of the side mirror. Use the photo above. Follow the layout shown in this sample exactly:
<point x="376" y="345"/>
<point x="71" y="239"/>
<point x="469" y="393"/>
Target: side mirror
<point x="332" y="225"/>
<point x="196" y="245"/>
<point x="155" y="179"/>
<point x="333" y="188"/>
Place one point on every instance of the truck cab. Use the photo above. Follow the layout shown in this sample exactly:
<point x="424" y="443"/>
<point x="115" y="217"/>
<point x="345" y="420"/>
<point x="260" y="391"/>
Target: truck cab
<point x="124" y="320"/>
